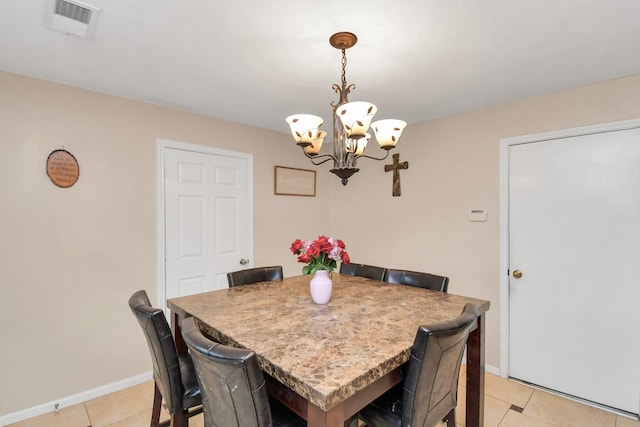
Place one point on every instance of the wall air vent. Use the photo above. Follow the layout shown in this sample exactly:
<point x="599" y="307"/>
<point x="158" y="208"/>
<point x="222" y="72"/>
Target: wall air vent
<point x="71" y="17"/>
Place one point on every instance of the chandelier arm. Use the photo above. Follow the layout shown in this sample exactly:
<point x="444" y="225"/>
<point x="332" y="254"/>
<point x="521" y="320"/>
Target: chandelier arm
<point x="313" y="158"/>
<point x="374" y="158"/>
<point x="324" y="161"/>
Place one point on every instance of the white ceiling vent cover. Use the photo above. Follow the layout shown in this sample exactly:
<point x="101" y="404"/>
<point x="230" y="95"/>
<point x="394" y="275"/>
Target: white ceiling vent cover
<point x="71" y="17"/>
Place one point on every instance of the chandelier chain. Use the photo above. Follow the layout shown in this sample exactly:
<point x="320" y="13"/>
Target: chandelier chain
<point x="344" y="67"/>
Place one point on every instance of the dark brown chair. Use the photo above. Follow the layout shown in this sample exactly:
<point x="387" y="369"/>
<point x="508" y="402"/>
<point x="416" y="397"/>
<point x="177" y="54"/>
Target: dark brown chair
<point x="362" y="270"/>
<point x="254" y="275"/>
<point x="233" y="386"/>
<point x="174" y="375"/>
<point x="417" y="279"/>
<point x="429" y="391"/>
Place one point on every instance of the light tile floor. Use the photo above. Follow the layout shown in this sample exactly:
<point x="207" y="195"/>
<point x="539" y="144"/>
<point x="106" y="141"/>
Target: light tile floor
<point x="132" y="408"/>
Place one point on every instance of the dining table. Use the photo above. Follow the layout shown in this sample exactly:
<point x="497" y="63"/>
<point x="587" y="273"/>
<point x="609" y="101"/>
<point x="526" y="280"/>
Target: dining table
<point x="327" y="362"/>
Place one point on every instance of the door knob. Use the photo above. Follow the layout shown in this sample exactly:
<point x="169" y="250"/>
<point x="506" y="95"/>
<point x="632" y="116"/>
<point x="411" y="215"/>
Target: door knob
<point x="244" y="261"/>
<point x="517" y="274"/>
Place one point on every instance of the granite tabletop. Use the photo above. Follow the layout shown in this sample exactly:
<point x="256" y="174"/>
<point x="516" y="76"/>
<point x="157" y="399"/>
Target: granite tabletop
<point x="325" y="353"/>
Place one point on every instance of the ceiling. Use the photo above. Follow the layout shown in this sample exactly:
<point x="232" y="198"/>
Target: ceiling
<point x="256" y="61"/>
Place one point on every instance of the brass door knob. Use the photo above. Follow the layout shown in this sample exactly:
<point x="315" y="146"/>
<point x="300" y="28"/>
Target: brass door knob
<point x="517" y="274"/>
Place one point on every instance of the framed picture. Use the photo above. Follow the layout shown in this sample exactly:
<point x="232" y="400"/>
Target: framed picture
<point x="294" y="182"/>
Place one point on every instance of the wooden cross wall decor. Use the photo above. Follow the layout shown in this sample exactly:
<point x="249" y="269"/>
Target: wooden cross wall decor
<point x="395" y="167"/>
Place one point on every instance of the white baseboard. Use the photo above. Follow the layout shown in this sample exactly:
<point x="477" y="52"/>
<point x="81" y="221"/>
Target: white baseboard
<point x="488" y="369"/>
<point x="491" y="370"/>
<point x="74" y="399"/>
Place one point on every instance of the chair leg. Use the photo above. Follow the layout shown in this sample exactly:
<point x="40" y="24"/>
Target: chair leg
<point x="157" y="406"/>
<point x="451" y="418"/>
<point x="180" y="419"/>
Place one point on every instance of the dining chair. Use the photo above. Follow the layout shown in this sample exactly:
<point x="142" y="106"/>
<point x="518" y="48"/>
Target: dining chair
<point x="429" y="391"/>
<point x="362" y="270"/>
<point x="254" y="275"/>
<point x="417" y="279"/>
<point x="174" y="375"/>
<point x="233" y="387"/>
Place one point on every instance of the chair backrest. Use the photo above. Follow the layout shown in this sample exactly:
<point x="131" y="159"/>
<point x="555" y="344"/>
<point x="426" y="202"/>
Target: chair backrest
<point x="417" y="279"/>
<point x="430" y="388"/>
<point x="254" y="275"/>
<point x="362" y="270"/>
<point x="233" y="388"/>
<point x="166" y="367"/>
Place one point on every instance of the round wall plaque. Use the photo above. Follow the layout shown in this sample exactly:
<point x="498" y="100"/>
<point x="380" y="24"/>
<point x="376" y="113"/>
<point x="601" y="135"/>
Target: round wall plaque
<point x="62" y="168"/>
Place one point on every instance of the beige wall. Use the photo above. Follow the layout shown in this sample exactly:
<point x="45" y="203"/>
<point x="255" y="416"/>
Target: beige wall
<point x="454" y="167"/>
<point x="70" y="258"/>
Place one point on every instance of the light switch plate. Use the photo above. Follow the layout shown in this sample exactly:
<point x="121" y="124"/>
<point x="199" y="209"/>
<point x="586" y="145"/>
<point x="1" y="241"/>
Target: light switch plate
<point x="477" y="215"/>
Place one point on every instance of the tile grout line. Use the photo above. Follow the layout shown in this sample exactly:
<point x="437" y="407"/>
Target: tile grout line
<point x="86" y="411"/>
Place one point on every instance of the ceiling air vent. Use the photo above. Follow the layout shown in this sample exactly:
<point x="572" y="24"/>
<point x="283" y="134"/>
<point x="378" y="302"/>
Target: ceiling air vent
<point x="72" y="18"/>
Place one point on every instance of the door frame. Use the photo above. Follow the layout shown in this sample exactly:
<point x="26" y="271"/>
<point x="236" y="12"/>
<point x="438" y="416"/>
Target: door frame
<point x="505" y="145"/>
<point x="161" y="145"/>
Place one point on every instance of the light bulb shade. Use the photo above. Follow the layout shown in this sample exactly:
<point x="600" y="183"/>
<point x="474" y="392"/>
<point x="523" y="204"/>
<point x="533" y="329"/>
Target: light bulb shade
<point x="357" y="146"/>
<point x="388" y="132"/>
<point x="316" y="144"/>
<point x="304" y="128"/>
<point x="356" y="117"/>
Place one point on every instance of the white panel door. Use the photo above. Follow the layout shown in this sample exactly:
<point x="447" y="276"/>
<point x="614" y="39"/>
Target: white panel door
<point x="208" y="220"/>
<point x="574" y="230"/>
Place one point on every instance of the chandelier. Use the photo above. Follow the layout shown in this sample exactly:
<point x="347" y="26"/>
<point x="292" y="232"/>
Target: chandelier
<point x="351" y="121"/>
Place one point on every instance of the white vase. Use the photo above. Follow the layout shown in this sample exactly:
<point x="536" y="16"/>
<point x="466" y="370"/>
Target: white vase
<point x="320" y="287"/>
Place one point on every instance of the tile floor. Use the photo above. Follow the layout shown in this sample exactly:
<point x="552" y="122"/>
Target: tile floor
<point x="132" y="408"/>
